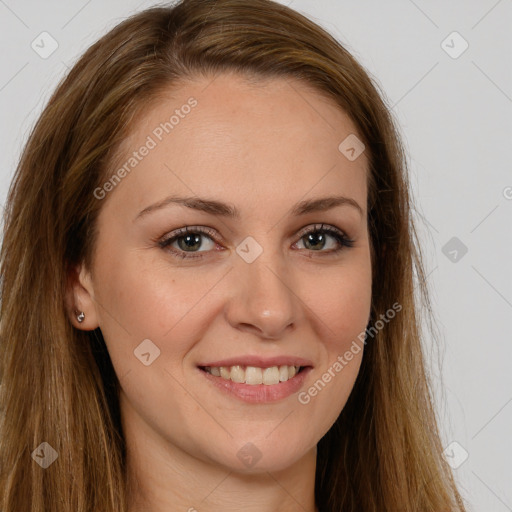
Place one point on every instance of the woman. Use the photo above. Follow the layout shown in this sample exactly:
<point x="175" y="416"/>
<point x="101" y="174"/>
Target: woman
<point x="163" y="344"/>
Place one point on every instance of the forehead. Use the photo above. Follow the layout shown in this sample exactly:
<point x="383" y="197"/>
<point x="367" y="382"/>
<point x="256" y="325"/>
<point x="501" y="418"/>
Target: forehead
<point x="224" y="135"/>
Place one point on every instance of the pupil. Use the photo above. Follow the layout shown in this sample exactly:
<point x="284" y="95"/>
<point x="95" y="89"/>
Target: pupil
<point x="196" y="242"/>
<point x="318" y="236"/>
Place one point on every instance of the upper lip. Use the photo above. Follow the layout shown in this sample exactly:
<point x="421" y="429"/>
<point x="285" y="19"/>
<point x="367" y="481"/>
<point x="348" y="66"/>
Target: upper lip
<point x="262" y="362"/>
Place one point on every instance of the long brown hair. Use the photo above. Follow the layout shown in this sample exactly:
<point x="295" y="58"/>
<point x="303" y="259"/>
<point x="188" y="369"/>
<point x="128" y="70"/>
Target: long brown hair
<point x="57" y="382"/>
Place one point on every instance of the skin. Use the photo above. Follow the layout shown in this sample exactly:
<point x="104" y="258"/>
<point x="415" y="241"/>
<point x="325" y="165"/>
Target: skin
<point x="263" y="148"/>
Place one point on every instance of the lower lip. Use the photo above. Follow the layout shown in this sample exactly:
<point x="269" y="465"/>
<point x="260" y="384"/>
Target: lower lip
<point x="259" y="393"/>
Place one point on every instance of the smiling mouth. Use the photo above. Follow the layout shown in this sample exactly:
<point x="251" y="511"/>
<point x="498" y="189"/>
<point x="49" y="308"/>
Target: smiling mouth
<point x="254" y="375"/>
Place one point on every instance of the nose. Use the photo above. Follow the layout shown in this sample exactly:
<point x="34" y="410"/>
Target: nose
<point x="263" y="301"/>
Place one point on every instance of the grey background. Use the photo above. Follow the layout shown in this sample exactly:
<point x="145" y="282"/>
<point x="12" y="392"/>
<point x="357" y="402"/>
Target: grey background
<point x="455" y="117"/>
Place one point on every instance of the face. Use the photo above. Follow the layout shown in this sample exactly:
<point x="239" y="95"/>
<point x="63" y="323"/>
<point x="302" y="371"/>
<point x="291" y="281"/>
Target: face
<point x="265" y="278"/>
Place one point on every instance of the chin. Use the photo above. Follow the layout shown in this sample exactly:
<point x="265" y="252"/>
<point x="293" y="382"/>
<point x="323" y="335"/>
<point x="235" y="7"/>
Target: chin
<point x="262" y="455"/>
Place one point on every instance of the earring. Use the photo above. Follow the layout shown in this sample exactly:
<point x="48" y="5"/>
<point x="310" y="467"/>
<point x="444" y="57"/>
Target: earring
<point x="80" y="316"/>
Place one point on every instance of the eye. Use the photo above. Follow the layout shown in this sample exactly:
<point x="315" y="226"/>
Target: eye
<point x="188" y="240"/>
<point x="316" y="238"/>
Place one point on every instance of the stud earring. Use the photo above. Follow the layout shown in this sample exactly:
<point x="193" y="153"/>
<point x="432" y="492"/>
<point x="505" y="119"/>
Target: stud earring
<point x="80" y="316"/>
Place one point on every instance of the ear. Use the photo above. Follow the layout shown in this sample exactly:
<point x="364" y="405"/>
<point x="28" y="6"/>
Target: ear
<point x="80" y="297"/>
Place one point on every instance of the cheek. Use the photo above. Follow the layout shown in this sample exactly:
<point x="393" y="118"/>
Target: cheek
<point x="342" y="304"/>
<point x="142" y="296"/>
<point x="342" y="300"/>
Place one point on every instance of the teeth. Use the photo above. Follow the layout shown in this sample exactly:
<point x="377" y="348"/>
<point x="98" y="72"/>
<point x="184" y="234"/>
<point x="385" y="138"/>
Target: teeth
<point x="237" y="374"/>
<point x="254" y="375"/>
<point x="271" y="375"/>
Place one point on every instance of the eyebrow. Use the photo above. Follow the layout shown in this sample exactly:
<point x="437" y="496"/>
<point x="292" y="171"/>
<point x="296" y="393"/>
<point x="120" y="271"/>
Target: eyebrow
<point x="221" y="209"/>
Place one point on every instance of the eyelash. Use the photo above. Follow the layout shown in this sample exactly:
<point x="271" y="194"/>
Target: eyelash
<point x="165" y="242"/>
